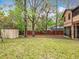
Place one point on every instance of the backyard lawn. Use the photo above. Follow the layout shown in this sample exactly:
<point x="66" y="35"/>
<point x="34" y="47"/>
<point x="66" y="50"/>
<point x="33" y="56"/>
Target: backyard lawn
<point x="39" y="48"/>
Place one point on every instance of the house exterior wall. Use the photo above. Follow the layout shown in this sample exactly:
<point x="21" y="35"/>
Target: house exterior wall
<point x="72" y="23"/>
<point x="67" y="31"/>
<point x="76" y="19"/>
<point x="68" y="22"/>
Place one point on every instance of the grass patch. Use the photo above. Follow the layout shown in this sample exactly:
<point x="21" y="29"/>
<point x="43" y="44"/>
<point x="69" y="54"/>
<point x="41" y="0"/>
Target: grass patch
<point x="39" y="48"/>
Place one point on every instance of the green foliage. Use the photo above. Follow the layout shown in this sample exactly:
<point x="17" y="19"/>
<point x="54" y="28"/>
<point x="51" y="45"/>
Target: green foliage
<point x="31" y="14"/>
<point x="17" y="14"/>
<point x="51" y="23"/>
<point x="40" y="26"/>
<point x="13" y="20"/>
<point x="1" y="13"/>
<point x="6" y="22"/>
<point x="19" y="4"/>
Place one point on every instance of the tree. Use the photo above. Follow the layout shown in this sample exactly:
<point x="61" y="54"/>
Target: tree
<point x="56" y="13"/>
<point x="40" y="25"/>
<point x="25" y="18"/>
<point x="34" y="5"/>
<point x="22" y="5"/>
<point x="1" y="18"/>
<point x="18" y="18"/>
<point x="7" y="22"/>
<point x="46" y="8"/>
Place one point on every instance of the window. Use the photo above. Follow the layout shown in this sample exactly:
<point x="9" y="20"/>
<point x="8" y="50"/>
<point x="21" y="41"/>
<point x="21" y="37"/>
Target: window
<point x="69" y="16"/>
<point x="64" y="19"/>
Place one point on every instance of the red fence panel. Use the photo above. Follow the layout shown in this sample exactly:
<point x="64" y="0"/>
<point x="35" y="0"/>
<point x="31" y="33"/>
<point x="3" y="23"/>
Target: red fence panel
<point x="48" y="33"/>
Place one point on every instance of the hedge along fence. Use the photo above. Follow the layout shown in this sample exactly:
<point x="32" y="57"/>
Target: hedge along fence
<point x="48" y="33"/>
<point x="9" y="33"/>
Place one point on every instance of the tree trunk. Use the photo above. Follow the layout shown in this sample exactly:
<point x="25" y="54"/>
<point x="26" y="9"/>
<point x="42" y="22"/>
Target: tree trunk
<point x="2" y="40"/>
<point x="33" y="28"/>
<point x="56" y="15"/>
<point x="25" y="18"/>
<point x="33" y="22"/>
<point x="25" y="31"/>
<point x="46" y="22"/>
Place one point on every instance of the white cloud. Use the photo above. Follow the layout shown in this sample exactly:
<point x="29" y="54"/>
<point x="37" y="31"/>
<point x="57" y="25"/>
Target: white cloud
<point x="51" y="15"/>
<point x="61" y="9"/>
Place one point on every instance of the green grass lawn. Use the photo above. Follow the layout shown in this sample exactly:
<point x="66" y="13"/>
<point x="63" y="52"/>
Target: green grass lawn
<point x="39" y="48"/>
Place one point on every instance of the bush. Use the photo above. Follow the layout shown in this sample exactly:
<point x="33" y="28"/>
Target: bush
<point x="7" y="23"/>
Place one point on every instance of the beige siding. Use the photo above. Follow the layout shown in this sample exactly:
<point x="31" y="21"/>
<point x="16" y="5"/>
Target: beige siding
<point x="76" y="19"/>
<point x="73" y="23"/>
<point x="9" y="33"/>
<point x="68" y="22"/>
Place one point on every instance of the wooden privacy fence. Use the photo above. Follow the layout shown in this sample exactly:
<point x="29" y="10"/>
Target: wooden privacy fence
<point x="14" y="33"/>
<point x="48" y="33"/>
